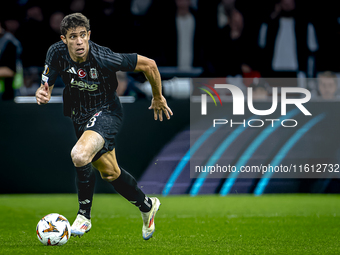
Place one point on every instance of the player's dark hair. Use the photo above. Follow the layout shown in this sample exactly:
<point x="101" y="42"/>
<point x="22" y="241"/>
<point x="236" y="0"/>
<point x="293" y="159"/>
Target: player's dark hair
<point x="72" y="21"/>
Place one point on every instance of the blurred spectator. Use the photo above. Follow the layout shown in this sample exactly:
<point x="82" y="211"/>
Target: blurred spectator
<point x="224" y="10"/>
<point x="55" y="21"/>
<point x="287" y="40"/>
<point x="11" y="16"/>
<point x="180" y="39"/>
<point x="185" y="26"/>
<point x="218" y="38"/>
<point x="127" y="87"/>
<point x="32" y="79"/>
<point x="32" y="37"/>
<point x="233" y="53"/>
<point x="142" y="13"/>
<point x="140" y="7"/>
<point x="122" y="83"/>
<point x="113" y="26"/>
<point x="10" y="64"/>
<point x="327" y="25"/>
<point x="77" y="6"/>
<point x="12" y="26"/>
<point x="328" y="85"/>
<point x="145" y="15"/>
<point x="53" y="34"/>
<point x="260" y="89"/>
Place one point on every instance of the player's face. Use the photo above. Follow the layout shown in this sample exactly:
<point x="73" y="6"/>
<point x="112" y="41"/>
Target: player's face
<point x="77" y="41"/>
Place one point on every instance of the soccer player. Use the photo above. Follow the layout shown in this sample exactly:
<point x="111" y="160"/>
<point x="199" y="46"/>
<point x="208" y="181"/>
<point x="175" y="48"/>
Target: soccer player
<point x="89" y="73"/>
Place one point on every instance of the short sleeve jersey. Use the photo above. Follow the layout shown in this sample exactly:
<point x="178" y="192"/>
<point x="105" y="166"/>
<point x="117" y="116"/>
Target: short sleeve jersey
<point x="90" y="86"/>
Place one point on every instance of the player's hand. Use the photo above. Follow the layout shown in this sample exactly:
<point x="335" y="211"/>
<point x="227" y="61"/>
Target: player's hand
<point x="43" y="94"/>
<point x="159" y="106"/>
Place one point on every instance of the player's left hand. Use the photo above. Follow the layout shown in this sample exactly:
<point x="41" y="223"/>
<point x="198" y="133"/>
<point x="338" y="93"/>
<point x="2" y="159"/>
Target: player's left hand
<point x="159" y="105"/>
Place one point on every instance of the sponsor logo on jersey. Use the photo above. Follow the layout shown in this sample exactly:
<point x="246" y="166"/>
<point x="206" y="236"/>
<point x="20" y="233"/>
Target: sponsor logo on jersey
<point x="93" y="73"/>
<point x="72" y="70"/>
<point x="81" y="73"/>
<point x="83" y="85"/>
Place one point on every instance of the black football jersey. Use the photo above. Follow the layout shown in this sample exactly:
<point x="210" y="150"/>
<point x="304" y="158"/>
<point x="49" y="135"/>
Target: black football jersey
<point x="90" y="86"/>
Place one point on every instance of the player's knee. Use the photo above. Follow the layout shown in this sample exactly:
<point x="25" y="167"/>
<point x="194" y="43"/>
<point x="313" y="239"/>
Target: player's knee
<point x="79" y="158"/>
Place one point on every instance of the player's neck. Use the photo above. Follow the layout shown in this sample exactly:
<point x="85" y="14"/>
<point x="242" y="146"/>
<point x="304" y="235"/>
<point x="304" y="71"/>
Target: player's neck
<point x="79" y="59"/>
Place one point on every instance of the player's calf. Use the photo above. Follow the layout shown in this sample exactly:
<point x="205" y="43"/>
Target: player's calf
<point x="126" y="185"/>
<point x="85" y="180"/>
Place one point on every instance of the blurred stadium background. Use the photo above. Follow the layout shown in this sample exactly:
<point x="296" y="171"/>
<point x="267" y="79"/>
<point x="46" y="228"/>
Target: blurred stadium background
<point x="238" y="40"/>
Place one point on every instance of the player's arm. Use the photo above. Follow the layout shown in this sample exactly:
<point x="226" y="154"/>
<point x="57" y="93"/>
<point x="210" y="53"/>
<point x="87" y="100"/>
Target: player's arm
<point x="43" y="93"/>
<point x="49" y="76"/>
<point x="150" y="70"/>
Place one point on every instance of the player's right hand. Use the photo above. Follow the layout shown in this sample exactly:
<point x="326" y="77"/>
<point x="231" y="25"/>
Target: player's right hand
<point x="43" y="94"/>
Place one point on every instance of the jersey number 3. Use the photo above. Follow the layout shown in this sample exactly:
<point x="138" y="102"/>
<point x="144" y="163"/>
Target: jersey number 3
<point x="91" y="123"/>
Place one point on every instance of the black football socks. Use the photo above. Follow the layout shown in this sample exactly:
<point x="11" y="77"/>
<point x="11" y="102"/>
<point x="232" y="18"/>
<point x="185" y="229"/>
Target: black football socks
<point x="86" y="179"/>
<point x="126" y="185"/>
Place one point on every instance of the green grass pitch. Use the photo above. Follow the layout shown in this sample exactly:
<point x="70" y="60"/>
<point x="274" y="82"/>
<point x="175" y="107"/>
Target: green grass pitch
<point x="238" y="224"/>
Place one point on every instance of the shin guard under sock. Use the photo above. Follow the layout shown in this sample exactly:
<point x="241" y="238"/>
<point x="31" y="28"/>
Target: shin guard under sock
<point x="126" y="186"/>
<point x="86" y="179"/>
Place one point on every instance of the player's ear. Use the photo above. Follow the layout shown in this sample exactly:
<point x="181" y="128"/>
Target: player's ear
<point x="89" y="34"/>
<point x="63" y="38"/>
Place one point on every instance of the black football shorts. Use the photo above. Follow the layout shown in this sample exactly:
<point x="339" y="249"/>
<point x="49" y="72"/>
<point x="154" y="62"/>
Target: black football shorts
<point x="107" y="124"/>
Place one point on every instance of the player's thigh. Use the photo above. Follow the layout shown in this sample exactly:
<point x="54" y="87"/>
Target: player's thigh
<point x="88" y="145"/>
<point x="107" y="165"/>
<point x="107" y="124"/>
